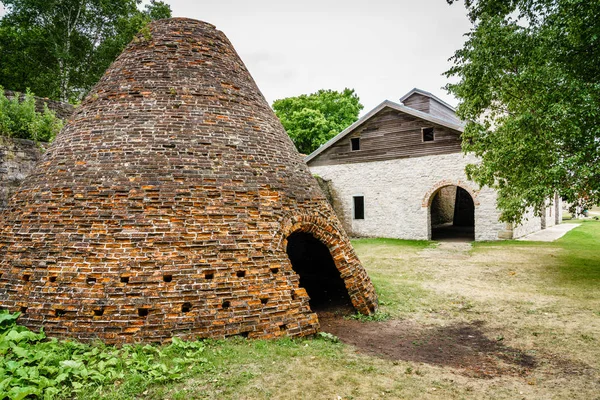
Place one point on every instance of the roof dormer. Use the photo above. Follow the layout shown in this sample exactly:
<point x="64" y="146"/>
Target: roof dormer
<point x="426" y="102"/>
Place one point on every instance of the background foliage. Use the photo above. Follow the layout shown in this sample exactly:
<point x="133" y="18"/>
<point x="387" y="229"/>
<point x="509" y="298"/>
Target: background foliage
<point x="20" y="119"/>
<point x="60" y="48"/>
<point x="529" y="85"/>
<point x="313" y="119"/>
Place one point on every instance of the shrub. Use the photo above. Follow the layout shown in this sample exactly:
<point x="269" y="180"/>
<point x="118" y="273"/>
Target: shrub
<point x="19" y="119"/>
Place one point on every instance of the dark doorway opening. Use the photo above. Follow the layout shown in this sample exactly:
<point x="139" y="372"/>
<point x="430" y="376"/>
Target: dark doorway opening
<point x="452" y="215"/>
<point x="319" y="276"/>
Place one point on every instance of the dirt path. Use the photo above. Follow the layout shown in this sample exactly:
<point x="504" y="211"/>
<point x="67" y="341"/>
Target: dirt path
<point x="463" y="346"/>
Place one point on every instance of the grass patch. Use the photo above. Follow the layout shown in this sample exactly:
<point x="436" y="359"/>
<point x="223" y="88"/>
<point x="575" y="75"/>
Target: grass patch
<point x="415" y="244"/>
<point x="570" y="263"/>
<point x="396" y="278"/>
<point x="506" y="243"/>
<point x="579" y="262"/>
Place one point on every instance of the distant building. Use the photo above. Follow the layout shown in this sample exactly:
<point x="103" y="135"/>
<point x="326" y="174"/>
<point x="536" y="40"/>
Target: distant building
<point x="399" y="172"/>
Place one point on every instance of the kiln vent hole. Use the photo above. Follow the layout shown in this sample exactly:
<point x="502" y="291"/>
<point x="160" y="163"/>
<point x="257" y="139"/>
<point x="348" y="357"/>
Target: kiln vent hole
<point x="319" y="276"/>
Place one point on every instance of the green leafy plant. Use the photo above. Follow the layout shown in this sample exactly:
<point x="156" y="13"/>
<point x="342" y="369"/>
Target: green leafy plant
<point x="328" y="337"/>
<point x="20" y="119"/>
<point x="33" y="366"/>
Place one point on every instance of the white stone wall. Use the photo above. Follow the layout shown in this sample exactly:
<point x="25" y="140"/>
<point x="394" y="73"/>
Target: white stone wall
<point x="559" y="209"/>
<point x="395" y="192"/>
<point x="554" y="212"/>
<point x="529" y="224"/>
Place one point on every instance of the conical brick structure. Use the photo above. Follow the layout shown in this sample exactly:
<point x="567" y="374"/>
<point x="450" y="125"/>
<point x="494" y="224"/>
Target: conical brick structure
<point x="165" y="206"/>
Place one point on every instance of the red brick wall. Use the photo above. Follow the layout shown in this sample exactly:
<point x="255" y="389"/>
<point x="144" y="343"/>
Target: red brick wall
<point x="163" y="206"/>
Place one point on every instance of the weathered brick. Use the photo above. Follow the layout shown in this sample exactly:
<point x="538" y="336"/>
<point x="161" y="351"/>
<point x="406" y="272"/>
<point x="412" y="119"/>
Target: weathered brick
<point x="173" y="183"/>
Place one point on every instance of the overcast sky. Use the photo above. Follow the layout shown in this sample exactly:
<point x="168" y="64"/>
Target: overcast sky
<point x="380" y="48"/>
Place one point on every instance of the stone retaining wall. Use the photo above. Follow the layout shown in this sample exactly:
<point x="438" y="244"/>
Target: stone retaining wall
<point x="17" y="160"/>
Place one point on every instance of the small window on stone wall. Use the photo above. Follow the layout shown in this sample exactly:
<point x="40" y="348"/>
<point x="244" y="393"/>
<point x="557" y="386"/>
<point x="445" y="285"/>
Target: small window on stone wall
<point x="428" y="135"/>
<point x="359" y="207"/>
<point x="355" y="142"/>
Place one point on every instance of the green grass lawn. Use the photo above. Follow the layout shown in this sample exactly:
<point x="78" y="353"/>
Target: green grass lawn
<point x="542" y="299"/>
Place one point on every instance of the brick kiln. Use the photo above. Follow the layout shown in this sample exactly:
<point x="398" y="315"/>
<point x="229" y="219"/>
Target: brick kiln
<point x="171" y="205"/>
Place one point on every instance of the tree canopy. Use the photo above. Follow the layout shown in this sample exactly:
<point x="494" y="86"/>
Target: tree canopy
<point x="60" y="48"/>
<point x="529" y="87"/>
<point x="313" y="119"/>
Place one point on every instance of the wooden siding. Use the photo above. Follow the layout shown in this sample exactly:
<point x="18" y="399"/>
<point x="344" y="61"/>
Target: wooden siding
<point x="390" y="134"/>
<point x="418" y="102"/>
<point x="441" y="111"/>
<point x="430" y="106"/>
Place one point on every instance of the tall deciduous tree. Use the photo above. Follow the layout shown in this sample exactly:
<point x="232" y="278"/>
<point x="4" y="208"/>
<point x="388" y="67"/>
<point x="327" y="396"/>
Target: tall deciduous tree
<point x="313" y="119"/>
<point x="60" y="48"/>
<point x="529" y="85"/>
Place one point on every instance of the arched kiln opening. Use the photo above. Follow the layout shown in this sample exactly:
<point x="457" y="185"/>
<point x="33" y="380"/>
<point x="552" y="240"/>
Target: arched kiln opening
<point x="452" y="214"/>
<point x="313" y="262"/>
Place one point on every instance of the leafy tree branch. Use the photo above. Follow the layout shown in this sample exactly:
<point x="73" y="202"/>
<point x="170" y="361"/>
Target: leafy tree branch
<point x="529" y="86"/>
<point x="60" y="48"/>
<point x="313" y="119"/>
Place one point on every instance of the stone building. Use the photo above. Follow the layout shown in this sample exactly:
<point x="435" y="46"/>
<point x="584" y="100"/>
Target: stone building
<point x="398" y="172"/>
<point x="174" y="204"/>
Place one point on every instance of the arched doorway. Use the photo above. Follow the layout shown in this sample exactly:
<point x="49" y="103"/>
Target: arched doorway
<point x="312" y="261"/>
<point x="452" y="214"/>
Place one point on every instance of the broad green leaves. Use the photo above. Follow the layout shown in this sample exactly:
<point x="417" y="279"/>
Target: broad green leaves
<point x="311" y="120"/>
<point x="31" y="365"/>
<point x="530" y="88"/>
